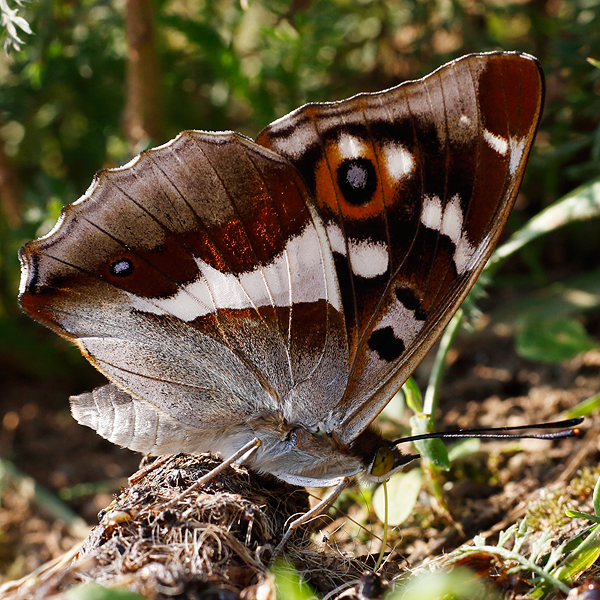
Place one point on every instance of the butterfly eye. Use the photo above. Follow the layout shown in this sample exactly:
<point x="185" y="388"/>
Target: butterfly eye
<point x="121" y="268"/>
<point x="357" y="180"/>
<point x="383" y="463"/>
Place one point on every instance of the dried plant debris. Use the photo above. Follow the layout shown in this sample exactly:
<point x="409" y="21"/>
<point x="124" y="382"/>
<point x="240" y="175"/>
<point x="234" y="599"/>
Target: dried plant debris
<point x="159" y="542"/>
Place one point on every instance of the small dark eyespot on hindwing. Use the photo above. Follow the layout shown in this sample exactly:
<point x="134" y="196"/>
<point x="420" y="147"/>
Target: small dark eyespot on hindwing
<point x="121" y="268"/>
<point x="386" y="344"/>
<point x="357" y="180"/>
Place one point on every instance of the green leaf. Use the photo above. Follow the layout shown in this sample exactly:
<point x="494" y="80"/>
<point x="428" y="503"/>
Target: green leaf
<point x="596" y="498"/>
<point x="457" y="584"/>
<point x="572" y="296"/>
<point x="576" y="514"/>
<point x="594" y="62"/>
<point x="464" y="448"/>
<point x="584" y="408"/>
<point x="403" y="490"/>
<point x="581" y="559"/>
<point x="412" y="393"/>
<point x="434" y="450"/>
<point x="580" y="204"/>
<point x="552" y="340"/>
<point x="289" y="584"/>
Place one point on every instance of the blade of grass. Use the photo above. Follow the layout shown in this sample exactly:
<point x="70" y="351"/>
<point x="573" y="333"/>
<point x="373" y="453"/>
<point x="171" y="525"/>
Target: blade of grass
<point x="435" y="379"/>
<point x="584" y="408"/>
<point x="581" y="559"/>
<point x="42" y="498"/>
<point x="580" y="204"/>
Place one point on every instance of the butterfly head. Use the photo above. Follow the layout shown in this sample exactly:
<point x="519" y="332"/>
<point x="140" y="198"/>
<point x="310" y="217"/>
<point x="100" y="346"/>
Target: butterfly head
<point x="387" y="461"/>
<point x="380" y="458"/>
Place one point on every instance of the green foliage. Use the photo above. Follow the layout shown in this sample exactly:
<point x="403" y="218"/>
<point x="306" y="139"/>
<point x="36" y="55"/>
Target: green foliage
<point x="518" y="533"/>
<point x="552" y="340"/>
<point x="401" y="485"/>
<point x="551" y="569"/>
<point x="94" y="591"/>
<point x="576" y="555"/>
<point x="434" y="451"/>
<point x="458" y="584"/>
<point x="289" y="584"/>
<point x="584" y="408"/>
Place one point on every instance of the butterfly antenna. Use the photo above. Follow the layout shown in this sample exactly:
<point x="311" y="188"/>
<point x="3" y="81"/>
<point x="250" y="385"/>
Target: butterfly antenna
<point x="566" y="429"/>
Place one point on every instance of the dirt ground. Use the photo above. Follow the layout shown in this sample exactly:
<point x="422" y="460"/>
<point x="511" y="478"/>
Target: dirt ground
<point x="487" y="384"/>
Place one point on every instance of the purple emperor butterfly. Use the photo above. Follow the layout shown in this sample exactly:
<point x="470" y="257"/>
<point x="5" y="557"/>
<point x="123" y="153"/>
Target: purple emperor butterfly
<point x="277" y="293"/>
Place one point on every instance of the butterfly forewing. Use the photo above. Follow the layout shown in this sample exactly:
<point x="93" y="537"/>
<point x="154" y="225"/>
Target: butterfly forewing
<point x="184" y="277"/>
<point x="414" y="185"/>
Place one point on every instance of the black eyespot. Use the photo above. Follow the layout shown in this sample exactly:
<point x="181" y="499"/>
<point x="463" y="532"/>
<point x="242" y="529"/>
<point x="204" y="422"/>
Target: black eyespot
<point x="357" y="180"/>
<point x="122" y="268"/>
<point x="408" y="298"/>
<point x="386" y="344"/>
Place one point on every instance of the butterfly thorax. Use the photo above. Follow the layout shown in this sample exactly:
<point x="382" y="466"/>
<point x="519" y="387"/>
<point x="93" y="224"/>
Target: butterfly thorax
<point x="300" y="455"/>
<point x="316" y="457"/>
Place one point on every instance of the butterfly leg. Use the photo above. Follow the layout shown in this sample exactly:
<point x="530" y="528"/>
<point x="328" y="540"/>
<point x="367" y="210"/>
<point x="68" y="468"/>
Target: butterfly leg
<point x="244" y="452"/>
<point x="313" y="512"/>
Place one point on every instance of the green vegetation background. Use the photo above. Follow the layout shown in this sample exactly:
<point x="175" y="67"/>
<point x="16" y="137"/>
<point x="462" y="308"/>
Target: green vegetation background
<point x="239" y="65"/>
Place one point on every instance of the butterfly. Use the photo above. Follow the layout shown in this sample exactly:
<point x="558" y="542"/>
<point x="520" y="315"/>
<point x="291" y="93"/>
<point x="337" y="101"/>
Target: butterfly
<point x="275" y="294"/>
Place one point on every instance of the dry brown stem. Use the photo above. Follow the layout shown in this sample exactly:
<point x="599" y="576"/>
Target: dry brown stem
<point x="142" y="119"/>
<point x="10" y="189"/>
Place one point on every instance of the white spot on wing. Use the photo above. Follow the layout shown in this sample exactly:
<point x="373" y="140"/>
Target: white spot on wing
<point x="449" y="222"/>
<point x="294" y="145"/>
<point x="24" y="277"/>
<point x="336" y="239"/>
<point x="516" y="153"/>
<point x="452" y="221"/>
<point x="306" y="266"/>
<point x="431" y="215"/>
<point x="398" y="161"/>
<point x="463" y="254"/>
<point x="277" y="277"/>
<point x="496" y="142"/>
<point x="351" y="146"/>
<point x="368" y="259"/>
<point x="464" y="120"/>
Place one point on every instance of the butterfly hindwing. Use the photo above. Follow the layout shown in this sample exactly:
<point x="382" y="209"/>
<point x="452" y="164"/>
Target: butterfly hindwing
<point x="413" y="185"/>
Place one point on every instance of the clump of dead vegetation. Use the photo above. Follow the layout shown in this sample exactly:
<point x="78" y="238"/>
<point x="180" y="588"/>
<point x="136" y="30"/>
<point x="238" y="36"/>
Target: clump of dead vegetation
<point x="160" y="542"/>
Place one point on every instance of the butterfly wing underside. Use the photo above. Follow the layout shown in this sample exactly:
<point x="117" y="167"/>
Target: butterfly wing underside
<point x="198" y="278"/>
<point x="414" y="185"/>
<point x="215" y="280"/>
